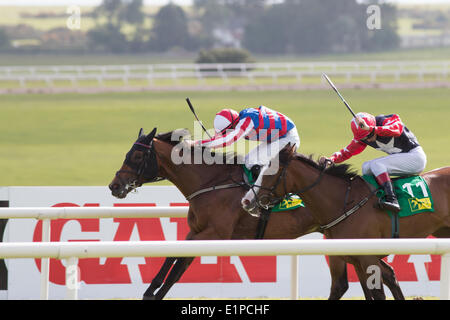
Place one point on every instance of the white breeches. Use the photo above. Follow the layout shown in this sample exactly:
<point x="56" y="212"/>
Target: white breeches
<point x="265" y="151"/>
<point x="397" y="164"/>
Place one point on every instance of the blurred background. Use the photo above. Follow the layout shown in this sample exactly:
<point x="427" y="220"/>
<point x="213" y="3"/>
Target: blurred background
<point x="180" y="30"/>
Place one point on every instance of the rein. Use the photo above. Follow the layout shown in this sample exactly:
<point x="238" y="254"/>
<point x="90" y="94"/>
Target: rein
<point x="235" y="184"/>
<point x="346" y="214"/>
<point x="219" y="187"/>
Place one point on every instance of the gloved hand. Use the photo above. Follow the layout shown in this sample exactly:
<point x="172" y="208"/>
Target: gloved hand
<point x="324" y="161"/>
<point x="362" y="124"/>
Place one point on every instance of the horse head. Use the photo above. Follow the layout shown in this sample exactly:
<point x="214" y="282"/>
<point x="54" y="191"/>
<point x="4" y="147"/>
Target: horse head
<point x="140" y="166"/>
<point x="270" y="187"/>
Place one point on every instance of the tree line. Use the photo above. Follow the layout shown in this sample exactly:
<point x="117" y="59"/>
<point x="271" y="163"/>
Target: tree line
<point x="259" y="26"/>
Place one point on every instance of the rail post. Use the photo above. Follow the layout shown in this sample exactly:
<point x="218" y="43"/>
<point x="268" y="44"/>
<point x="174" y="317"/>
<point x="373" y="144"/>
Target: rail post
<point x="294" y="277"/>
<point x="445" y="277"/>
<point x="45" y="262"/>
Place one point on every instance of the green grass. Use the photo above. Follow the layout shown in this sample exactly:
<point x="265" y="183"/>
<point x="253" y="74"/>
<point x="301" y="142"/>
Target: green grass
<point x="231" y="81"/>
<point x="72" y="139"/>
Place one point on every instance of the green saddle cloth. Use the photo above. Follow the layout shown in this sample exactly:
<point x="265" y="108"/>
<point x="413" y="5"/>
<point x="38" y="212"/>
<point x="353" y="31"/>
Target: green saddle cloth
<point x="412" y="192"/>
<point x="290" y="202"/>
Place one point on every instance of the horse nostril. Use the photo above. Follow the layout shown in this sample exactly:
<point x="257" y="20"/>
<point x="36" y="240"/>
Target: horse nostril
<point x="113" y="187"/>
<point x="246" y="202"/>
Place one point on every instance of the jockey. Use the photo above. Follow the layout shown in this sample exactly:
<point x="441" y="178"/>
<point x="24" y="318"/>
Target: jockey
<point x="388" y="134"/>
<point x="258" y="124"/>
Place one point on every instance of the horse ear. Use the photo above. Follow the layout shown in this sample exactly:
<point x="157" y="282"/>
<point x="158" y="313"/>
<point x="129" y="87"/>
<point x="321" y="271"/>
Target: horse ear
<point x="292" y="148"/>
<point x="150" y="136"/>
<point x="286" y="153"/>
<point x="141" y="133"/>
<point x="287" y="148"/>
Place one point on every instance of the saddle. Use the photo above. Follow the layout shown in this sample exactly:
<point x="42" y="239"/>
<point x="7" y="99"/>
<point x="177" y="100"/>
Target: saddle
<point x="413" y="195"/>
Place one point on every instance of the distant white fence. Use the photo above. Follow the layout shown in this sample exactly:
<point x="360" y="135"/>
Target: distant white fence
<point x="72" y="251"/>
<point x="422" y="41"/>
<point x="174" y="72"/>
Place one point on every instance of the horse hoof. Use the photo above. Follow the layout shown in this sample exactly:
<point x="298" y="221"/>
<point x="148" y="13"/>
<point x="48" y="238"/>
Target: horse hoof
<point x="152" y="297"/>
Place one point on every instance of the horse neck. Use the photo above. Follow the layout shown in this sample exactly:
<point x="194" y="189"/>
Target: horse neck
<point x="324" y="197"/>
<point x="188" y="178"/>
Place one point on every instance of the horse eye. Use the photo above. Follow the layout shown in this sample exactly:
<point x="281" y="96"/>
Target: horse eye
<point x="137" y="157"/>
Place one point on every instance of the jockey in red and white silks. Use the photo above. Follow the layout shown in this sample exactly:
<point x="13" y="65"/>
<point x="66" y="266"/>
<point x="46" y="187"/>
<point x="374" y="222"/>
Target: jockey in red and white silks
<point x="390" y="135"/>
<point x="273" y="129"/>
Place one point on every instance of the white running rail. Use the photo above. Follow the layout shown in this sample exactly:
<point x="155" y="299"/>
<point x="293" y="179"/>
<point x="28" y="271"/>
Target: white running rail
<point x="72" y="251"/>
<point x="299" y="70"/>
<point x="47" y="214"/>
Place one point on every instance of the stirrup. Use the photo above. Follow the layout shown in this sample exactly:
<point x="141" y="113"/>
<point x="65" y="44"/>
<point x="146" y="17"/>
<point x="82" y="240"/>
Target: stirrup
<point x="390" y="206"/>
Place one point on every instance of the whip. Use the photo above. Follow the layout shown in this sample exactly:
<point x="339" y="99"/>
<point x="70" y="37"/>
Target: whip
<point x="338" y="93"/>
<point x="195" y="115"/>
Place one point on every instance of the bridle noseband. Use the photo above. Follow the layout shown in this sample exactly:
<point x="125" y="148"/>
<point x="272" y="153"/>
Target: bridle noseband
<point x="144" y="171"/>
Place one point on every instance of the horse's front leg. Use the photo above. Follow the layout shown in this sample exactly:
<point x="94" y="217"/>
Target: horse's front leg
<point x="158" y="280"/>
<point x="180" y="266"/>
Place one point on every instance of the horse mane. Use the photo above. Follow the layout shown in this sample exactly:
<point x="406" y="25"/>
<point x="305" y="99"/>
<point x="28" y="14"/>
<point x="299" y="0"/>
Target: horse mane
<point x="167" y="136"/>
<point x="345" y="171"/>
<point x="228" y="158"/>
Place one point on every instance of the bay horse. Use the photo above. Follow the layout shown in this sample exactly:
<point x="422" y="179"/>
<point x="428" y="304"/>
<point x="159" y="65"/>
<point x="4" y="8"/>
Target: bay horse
<point x="345" y="206"/>
<point x="214" y="214"/>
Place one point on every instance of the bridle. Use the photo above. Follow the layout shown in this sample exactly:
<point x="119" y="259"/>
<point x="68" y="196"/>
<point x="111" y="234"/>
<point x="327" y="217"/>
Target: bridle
<point x="274" y="199"/>
<point x="270" y="198"/>
<point x="144" y="171"/>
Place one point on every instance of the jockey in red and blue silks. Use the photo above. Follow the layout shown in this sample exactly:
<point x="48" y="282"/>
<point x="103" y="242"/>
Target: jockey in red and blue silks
<point x="386" y="133"/>
<point x="273" y="129"/>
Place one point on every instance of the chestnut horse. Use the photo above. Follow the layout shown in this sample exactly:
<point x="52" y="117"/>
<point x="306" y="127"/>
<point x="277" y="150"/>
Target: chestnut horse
<point x="214" y="214"/>
<point x="345" y="206"/>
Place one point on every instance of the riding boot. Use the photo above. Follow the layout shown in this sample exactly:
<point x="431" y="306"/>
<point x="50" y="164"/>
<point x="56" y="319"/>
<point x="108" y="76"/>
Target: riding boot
<point x="390" y="201"/>
<point x="255" y="170"/>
